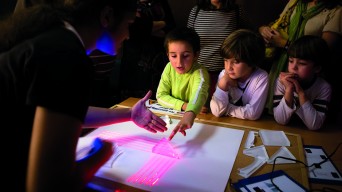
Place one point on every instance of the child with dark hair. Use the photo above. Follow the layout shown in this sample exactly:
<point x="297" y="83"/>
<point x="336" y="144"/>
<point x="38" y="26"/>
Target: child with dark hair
<point x="184" y="83"/>
<point x="242" y="86"/>
<point x="301" y="90"/>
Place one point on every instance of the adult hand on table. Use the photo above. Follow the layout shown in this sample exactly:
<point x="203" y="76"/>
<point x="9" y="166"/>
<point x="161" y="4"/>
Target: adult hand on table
<point x="144" y="118"/>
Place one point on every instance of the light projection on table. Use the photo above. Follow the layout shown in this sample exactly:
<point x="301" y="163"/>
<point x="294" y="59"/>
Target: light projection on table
<point x="141" y="167"/>
<point x="152" y="171"/>
<point x="163" y="147"/>
<point x="166" y="156"/>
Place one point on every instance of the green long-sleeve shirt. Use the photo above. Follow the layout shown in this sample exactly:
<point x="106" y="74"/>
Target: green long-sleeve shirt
<point x="192" y="87"/>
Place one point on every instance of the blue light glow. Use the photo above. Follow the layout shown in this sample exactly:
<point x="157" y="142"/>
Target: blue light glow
<point x="106" y="44"/>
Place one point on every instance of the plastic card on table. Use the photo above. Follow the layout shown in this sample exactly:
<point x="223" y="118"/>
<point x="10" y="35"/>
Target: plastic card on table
<point x="321" y="173"/>
<point x="155" y="107"/>
<point x="274" y="138"/>
<point x="263" y="183"/>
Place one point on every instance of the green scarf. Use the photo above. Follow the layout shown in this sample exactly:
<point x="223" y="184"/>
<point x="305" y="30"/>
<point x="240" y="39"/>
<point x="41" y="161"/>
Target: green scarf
<point x="295" y="30"/>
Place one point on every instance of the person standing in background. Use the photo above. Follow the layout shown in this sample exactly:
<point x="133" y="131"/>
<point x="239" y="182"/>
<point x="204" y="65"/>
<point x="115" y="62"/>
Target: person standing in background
<point x="214" y="20"/>
<point x="143" y="54"/>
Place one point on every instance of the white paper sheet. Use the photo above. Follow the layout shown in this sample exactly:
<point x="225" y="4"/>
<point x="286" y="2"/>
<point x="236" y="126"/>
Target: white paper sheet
<point x="274" y="138"/>
<point x="207" y="157"/>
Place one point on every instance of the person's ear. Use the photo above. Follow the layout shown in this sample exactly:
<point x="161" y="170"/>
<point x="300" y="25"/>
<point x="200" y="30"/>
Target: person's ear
<point x="106" y="17"/>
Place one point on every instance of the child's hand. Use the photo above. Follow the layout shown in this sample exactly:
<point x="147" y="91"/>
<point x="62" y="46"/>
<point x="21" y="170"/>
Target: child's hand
<point x="277" y="40"/>
<point x="184" y="106"/>
<point x="225" y="82"/>
<point x="204" y="110"/>
<point x="185" y="123"/>
<point x="297" y="87"/>
<point x="286" y="78"/>
<point x="267" y="33"/>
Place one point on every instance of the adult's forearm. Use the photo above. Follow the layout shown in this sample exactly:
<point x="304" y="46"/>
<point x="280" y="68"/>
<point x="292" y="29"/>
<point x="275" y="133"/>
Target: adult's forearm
<point x="97" y="116"/>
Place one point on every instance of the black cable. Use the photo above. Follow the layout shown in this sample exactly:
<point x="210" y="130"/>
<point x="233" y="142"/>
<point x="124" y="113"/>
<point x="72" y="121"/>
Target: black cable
<point x="314" y="164"/>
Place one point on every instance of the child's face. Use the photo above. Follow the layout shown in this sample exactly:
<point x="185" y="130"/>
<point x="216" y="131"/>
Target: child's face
<point x="237" y="70"/>
<point x="181" y="56"/>
<point x="304" y="69"/>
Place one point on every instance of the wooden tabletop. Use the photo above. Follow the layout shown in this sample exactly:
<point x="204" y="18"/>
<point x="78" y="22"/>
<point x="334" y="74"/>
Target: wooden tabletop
<point x="328" y="137"/>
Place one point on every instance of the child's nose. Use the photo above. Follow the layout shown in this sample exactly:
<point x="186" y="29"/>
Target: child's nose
<point x="229" y="65"/>
<point x="295" y="66"/>
<point x="179" y="61"/>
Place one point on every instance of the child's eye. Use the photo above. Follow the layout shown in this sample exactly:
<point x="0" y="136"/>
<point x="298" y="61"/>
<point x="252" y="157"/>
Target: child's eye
<point x="235" y="61"/>
<point x="186" y="55"/>
<point x="302" y="63"/>
<point x="232" y="61"/>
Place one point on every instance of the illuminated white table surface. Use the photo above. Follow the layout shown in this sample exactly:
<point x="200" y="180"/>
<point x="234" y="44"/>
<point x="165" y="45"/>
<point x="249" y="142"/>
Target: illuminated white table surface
<point x="207" y="155"/>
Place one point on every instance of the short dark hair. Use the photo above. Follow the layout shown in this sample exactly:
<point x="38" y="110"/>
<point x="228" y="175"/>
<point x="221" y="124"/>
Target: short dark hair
<point x="183" y="34"/>
<point x="38" y="18"/>
<point x="312" y="48"/>
<point x="244" y="45"/>
<point x="82" y="12"/>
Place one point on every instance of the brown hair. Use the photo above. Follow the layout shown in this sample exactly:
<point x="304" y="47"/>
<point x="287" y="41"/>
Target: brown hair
<point x="244" y="45"/>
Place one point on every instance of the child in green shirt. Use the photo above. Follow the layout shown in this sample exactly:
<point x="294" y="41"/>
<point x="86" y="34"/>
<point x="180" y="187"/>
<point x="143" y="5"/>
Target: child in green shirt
<point x="184" y="83"/>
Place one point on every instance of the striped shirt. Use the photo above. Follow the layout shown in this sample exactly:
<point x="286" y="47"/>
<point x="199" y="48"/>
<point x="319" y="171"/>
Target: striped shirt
<point x="103" y="64"/>
<point x="103" y="93"/>
<point x="213" y="26"/>
<point x="312" y="112"/>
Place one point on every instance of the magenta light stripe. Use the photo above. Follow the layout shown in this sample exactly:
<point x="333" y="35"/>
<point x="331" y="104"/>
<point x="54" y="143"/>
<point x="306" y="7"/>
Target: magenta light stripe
<point x="135" y="142"/>
<point x="152" y="171"/>
<point x="165" y="166"/>
<point x="153" y="168"/>
<point x="136" y="177"/>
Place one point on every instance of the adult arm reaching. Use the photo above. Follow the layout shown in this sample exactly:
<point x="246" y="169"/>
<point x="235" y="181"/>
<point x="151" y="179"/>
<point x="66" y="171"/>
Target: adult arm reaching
<point x="139" y="114"/>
